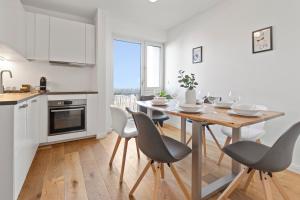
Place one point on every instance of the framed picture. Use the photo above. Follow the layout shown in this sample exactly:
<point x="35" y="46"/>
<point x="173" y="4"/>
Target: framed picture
<point x="197" y="55"/>
<point x="262" y="40"/>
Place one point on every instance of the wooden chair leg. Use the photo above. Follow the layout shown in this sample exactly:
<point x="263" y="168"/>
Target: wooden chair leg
<point x="180" y="183"/>
<point x="115" y="150"/>
<point x="160" y="129"/>
<point x="137" y="149"/>
<point x="279" y="187"/>
<point x="124" y="159"/>
<point x="214" y="137"/>
<point x="249" y="179"/>
<point x="162" y="170"/>
<point x="140" y="177"/>
<point x="265" y="179"/>
<point x="156" y="183"/>
<point x="234" y="184"/>
<point x="189" y="140"/>
<point x="227" y="142"/>
<point x="258" y="141"/>
<point x="204" y="141"/>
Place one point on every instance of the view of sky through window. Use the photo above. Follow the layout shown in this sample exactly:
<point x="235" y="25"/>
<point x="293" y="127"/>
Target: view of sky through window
<point x="127" y="66"/>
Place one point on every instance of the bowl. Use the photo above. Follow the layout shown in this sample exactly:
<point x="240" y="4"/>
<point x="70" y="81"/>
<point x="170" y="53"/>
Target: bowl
<point x="246" y="109"/>
<point x="190" y="107"/>
<point x="224" y="103"/>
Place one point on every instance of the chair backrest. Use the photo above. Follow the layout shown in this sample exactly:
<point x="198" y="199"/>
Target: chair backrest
<point x="145" y="98"/>
<point x="149" y="139"/>
<point x="261" y="125"/>
<point x="119" y="119"/>
<point x="129" y="110"/>
<point x="280" y="156"/>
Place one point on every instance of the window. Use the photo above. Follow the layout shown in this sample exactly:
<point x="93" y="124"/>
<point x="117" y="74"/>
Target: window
<point x="153" y="74"/>
<point x="153" y="66"/>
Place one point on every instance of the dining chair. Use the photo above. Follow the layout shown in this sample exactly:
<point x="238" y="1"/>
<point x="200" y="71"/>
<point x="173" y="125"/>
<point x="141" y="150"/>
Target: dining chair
<point x="159" y="149"/>
<point x="125" y="128"/>
<point x="249" y="133"/>
<point x="266" y="160"/>
<point x="158" y="117"/>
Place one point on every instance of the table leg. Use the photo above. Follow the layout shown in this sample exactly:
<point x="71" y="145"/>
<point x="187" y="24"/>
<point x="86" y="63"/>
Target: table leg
<point x="236" y="135"/>
<point x="183" y="130"/>
<point x="196" y="160"/>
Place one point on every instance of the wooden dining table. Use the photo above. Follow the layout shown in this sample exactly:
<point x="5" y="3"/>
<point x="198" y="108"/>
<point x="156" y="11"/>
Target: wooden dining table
<point x="210" y="115"/>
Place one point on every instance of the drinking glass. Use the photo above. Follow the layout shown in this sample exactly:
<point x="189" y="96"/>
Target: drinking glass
<point x="233" y="97"/>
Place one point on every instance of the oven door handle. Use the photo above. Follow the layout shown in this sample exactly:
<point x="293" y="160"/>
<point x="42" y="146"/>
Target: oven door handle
<point x="64" y="110"/>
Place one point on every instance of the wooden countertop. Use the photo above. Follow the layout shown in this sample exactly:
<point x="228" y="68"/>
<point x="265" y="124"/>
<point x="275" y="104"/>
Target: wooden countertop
<point x="15" y="98"/>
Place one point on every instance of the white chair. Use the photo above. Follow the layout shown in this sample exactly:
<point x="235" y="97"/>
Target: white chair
<point x="126" y="129"/>
<point x="249" y="133"/>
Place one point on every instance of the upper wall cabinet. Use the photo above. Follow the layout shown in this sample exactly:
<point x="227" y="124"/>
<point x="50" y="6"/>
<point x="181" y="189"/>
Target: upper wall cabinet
<point x="37" y="34"/>
<point x="90" y="44"/>
<point x="67" y="41"/>
<point x="59" y="40"/>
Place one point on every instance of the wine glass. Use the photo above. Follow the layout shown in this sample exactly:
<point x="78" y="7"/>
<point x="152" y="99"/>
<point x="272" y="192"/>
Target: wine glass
<point x="233" y="97"/>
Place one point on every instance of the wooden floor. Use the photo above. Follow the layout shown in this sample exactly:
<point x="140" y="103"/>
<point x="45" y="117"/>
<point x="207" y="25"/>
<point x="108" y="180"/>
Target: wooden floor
<point x="79" y="170"/>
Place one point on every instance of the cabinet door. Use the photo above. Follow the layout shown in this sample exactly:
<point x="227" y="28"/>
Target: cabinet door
<point x="90" y="44"/>
<point x="33" y="125"/>
<point x="67" y="41"/>
<point x="42" y="23"/>
<point x="92" y="114"/>
<point x="21" y="147"/>
<point x="30" y="35"/>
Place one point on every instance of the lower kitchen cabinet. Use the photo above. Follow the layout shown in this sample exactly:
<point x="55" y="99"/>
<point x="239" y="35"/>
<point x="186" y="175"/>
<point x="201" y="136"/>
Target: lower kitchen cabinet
<point x="26" y="140"/>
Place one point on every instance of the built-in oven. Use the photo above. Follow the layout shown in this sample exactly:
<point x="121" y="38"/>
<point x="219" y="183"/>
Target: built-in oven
<point x="67" y="116"/>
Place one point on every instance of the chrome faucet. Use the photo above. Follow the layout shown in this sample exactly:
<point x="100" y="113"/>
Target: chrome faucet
<point x="1" y="80"/>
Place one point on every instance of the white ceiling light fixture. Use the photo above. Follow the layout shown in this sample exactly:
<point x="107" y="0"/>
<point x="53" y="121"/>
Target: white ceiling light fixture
<point x="153" y="1"/>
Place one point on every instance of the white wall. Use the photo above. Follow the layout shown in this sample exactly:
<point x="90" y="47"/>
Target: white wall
<point x="269" y="78"/>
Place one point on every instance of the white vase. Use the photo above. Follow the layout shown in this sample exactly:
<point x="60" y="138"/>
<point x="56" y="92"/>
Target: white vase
<point x="190" y="96"/>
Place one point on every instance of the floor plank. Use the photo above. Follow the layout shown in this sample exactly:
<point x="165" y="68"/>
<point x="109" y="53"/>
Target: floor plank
<point x="80" y="170"/>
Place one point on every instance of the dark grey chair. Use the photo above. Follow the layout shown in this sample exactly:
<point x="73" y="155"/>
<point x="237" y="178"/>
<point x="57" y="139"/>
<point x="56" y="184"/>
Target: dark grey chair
<point x="159" y="149"/>
<point x="264" y="159"/>
<point x="157" y="116"/>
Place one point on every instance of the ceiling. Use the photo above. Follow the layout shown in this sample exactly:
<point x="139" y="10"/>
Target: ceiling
<point x="163" y="14"/>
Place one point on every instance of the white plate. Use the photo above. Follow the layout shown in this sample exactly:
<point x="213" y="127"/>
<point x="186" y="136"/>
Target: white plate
<point x="160" y="104"/>
<point x="201" y="110"/>
<point x="232" y="112"/>
<point x="223" y="105"/>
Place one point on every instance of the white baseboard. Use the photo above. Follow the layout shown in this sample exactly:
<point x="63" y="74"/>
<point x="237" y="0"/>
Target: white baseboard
<point x="294" y="168"/>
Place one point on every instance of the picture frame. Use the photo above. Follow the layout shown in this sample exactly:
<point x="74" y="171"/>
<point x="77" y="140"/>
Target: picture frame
<point x="197" y="55"/>
<point x="262" y="40"/>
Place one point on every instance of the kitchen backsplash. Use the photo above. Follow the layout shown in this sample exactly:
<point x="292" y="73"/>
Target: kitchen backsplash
<point x="59" y="78"/>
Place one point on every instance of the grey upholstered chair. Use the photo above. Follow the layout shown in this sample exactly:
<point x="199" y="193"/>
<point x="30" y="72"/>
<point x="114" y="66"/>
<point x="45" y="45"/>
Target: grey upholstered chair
<point x="264" y="159"/>
<point x="157" y="116"/>
<point x="159" y="149"/>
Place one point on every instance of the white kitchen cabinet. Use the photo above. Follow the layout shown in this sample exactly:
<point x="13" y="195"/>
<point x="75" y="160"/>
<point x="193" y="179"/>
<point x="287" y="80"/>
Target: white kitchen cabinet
<point x="90" y="44"/>
<point x="26" y="139"/>
<point x="67" y="41"/>
<point x="42" y="26"/>
<point x="92" y="114"/>
<point x="37" y="36"/>
<point x="44" y="119"/>
<point x="30" y="35"/>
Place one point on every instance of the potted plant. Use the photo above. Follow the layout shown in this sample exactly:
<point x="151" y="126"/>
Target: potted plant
<point x="188" y="82"/>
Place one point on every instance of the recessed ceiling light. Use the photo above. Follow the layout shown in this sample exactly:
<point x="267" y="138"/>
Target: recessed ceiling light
<point x="153" y="1"/>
